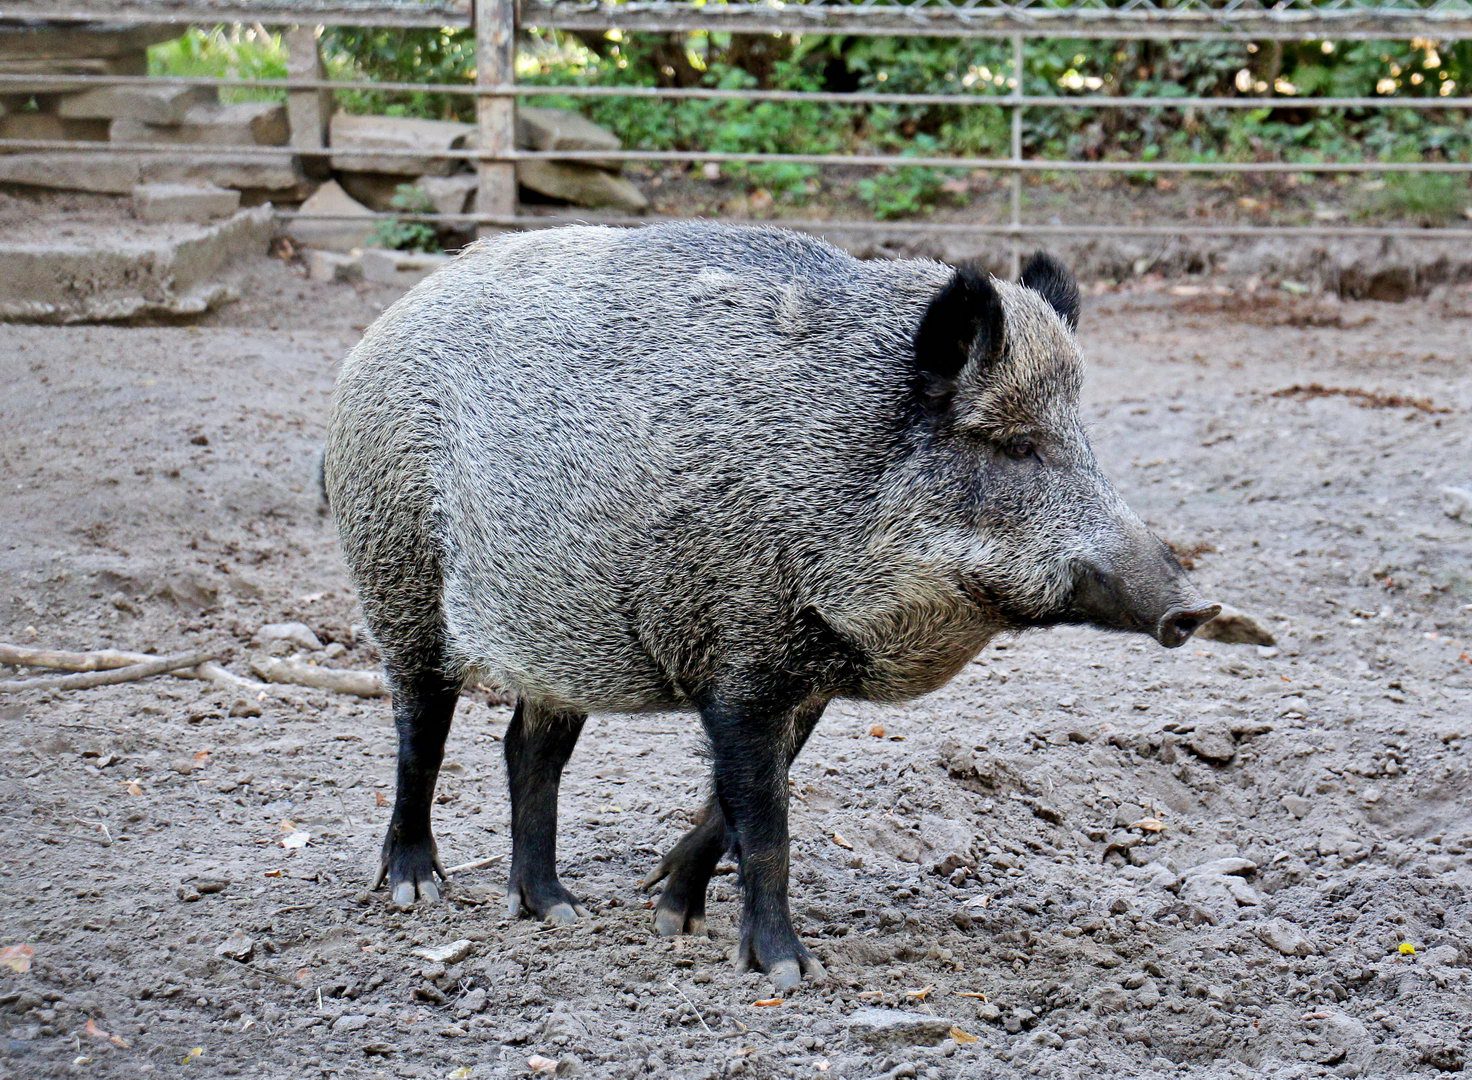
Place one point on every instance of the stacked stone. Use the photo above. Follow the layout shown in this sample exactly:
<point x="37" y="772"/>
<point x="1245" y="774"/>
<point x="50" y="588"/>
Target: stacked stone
<point x="161" y="114"/>
<point x="363" y="161"/>
<point x="374" y="156"/>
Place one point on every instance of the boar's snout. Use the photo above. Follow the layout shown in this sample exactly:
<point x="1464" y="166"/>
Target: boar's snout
<point x="1176" y="626"/>
<point x="1145" y="591"/>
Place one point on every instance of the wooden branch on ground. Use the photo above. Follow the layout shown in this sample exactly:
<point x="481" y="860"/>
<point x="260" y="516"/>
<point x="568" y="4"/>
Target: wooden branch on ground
<point x="338" y="680"/>
<point x="85" y="680"/>
<point x="108" y="659"/>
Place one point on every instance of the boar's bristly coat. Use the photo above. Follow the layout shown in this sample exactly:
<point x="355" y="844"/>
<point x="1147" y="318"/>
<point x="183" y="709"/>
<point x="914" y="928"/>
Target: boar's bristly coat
<point x="729" y="469"/>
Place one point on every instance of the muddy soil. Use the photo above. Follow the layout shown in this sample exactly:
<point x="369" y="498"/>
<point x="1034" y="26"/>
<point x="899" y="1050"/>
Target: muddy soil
<point x="1086" y="857"/>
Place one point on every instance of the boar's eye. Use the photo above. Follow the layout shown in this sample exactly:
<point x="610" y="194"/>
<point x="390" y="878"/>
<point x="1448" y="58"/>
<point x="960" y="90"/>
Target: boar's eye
<point x="1020" y="448"/>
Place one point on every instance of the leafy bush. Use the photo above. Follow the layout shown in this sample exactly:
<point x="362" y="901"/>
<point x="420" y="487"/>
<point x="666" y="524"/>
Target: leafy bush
<point x="408" y="235"/>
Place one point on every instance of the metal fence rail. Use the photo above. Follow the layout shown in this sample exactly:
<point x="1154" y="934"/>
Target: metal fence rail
<point x="1019" y="21"/>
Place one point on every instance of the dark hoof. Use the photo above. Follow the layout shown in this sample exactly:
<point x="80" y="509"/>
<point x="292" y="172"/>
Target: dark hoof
<point x="785" y="960"/>
<point x="686" y="872"/>
<point x="410" y="870"/>
<point x="546" y="900"/>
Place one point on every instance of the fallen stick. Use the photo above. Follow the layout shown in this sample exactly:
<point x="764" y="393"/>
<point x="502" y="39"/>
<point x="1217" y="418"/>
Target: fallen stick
<point x="109" y="659"/>
<point x="338" y="680"/>
<point x="88" y="679"/>
<point x="474" y="864"/>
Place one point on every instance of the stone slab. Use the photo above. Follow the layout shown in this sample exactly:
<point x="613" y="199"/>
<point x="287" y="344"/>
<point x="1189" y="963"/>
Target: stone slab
<point x="113" y="270"/>
<point x="248" y="123"/>
<point x="581" y="185"/>
<point x="355" y="138"/>
<point x="130" y="64"/>
<point x="84" y="41"/>
<point x="561" y="129"/>
<point x="183" y="202"/>
<point x="148" y="104"/>
<point x="110" y="172"/>
<point x="31" y="124"/>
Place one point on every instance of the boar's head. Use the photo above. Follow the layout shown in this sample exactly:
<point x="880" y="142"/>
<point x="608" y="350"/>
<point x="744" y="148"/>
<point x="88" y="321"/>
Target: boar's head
<point x="1021" y="513"/>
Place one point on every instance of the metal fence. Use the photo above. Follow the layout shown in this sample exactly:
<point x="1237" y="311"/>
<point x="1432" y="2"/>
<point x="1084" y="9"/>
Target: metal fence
<point x="496" y="23"/>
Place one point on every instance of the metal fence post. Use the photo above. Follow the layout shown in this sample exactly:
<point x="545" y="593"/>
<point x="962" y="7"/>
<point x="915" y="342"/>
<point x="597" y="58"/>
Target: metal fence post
<point x="1016" y="217"/>
<point x="495" y="65"/>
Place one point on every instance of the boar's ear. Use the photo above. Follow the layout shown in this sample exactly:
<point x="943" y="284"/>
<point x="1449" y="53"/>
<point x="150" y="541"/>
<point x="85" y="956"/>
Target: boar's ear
<point x="1046" y="275"/>
<point x="964" y="320"/>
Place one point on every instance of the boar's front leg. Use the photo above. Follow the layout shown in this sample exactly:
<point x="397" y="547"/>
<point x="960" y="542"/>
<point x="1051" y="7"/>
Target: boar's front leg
<point x="688" y="867"/>
<point x="751" y="749"/>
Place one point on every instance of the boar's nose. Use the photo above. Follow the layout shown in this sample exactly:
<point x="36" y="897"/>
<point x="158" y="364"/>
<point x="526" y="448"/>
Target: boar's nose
<point x="1177" y="625"/>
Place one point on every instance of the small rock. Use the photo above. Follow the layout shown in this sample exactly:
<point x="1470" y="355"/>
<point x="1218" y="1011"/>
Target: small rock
<point x="1231" y="864"/>
<point x="881" y="1027"/>
<point x="244" y="706"/>
<point x="1285" y="937"/>
<point x="451" y="953"/>
<point x="340" y="228"/>
<point x="1213" y="745"/>
<point x="1297" y="805"/>
<point x="294" y="632"/>
<point x="183" y="202"/>
<point x="1456" y="503"/>
<point x="1236" y="627"/>
<point x="474" y="1001"/>
<point x="238" y="946"/>
<point x="348" y="1022"/>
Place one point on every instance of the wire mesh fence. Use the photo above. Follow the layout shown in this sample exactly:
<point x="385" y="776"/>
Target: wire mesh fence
<point x="1019" y="22"/>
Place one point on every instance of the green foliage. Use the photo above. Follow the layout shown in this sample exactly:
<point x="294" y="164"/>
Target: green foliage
<point x="1426" y="199"/>
<point x="408" y="235"/>
<point x="1286" y="132"/>
<point x="224" y="52"/>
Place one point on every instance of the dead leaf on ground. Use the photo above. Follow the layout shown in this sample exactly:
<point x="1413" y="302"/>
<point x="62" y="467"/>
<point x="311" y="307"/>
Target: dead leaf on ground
<point x="17" y="957"/>
<point x="962" y="1037"/>
<point x="133" y="788"/>
<point x="1148" y="824"/>
<point x="96" y="1032"/>
<point x="979" y="995"/>
<point x="380" y="799"/>
<point x="877" y="731"/>
<point x="921" y="994"/>
<point x="539" y="1064"/>
<point x="841" y="842"/>
<point x="765" y="1003"/>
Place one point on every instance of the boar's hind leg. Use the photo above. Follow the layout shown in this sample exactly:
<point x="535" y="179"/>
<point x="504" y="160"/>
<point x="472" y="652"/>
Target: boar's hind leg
<point x="688" y="867"/>
<point x="423" y="706"/>
<point x="752" y="748"/>
<point x="538" y="744"/>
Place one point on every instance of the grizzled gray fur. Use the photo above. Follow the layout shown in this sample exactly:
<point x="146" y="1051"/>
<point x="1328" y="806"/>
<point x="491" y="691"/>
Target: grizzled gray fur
<point x="728" y="469"/>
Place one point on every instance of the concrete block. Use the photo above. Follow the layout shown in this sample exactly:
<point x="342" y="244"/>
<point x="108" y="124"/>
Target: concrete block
<point x="51" y="271"/>
<point x="354" y="138"/>
<point x="449" y="194"/>
<point x="183" y="202"/>
<point x="148" y="104"/>
<point x="561" y="129"/>
<point x="249" y="123"/>
<point x="352" y="226"/>
<point x="404" y="268"/>
<point x="330" y="266"/>
<point x="581" y="185"/>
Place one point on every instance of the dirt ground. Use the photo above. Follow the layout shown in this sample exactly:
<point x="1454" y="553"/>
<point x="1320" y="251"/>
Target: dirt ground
<point x="1086" y="857"/>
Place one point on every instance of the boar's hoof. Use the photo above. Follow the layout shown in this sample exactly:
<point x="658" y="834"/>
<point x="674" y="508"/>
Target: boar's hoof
<point x="670" y="921"/>
<point x="786" y="974"/>
<point x="551" y="903"/>
<point x="410" y="872"/>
